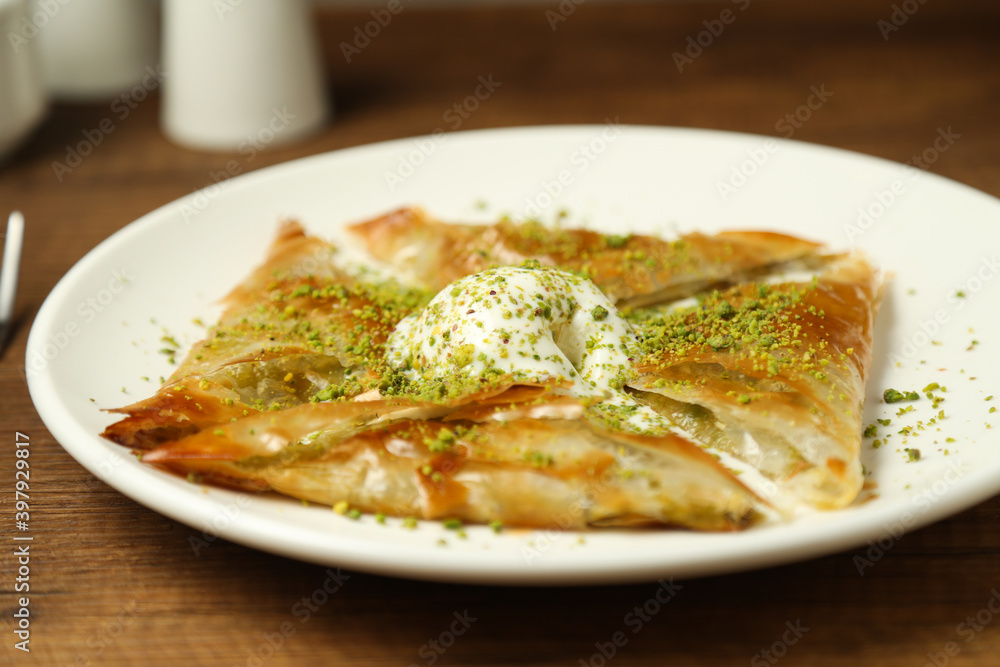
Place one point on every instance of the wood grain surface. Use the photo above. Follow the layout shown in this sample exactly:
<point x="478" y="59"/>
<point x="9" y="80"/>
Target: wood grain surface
<point x="114" y="583"/>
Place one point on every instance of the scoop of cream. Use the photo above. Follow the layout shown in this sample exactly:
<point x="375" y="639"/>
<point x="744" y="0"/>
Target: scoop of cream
<point x="534" y="323"/>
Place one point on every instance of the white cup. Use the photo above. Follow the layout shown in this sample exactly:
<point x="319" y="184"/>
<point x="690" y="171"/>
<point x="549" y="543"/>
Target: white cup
<point x="94" y="49"/>
<point x="22" y="98"/>
<point x="240" y="73"/>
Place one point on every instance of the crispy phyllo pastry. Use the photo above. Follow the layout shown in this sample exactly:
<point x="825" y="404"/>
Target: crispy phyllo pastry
<point x="560" y="472"/>
<point x="630" y="269"/>
<point x="553" y="381"/>
<point x="773" y="374"/>
<point x="299" y="327"/>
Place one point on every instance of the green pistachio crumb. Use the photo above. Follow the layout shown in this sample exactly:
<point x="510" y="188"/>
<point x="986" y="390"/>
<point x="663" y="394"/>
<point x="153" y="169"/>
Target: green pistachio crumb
<point x="725" y="310"/>
<point x="893" y="396"/>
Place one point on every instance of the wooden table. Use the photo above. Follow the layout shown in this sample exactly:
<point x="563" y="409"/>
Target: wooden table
<point x="114" y="583"/>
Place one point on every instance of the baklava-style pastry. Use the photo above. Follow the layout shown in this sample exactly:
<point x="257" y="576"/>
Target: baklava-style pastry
<point x="550" y="472"/>
<point x="297" y="328"/>
<point x="773" y="374"/>
<point x="553" y="380"/>
<point x="631" y="269"/>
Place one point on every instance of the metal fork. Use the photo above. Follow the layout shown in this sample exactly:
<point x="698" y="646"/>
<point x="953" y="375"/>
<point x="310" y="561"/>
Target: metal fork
<point x="8" y="273"/>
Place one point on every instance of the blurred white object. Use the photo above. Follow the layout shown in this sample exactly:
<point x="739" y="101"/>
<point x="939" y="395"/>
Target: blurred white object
<point x="95" y="49"/>
<point x="12" y="245"/>
<point x="22" y="98"/>
<point x="240" y="74"/>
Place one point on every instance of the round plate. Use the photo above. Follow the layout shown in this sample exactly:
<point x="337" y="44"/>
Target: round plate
<point x="98" y="334"/>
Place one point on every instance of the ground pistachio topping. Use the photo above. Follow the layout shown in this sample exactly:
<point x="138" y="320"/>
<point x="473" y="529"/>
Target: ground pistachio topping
<point x="772" y="329"/>
<point x="892" y="396"/>
<point x="345" y="319"/>
<point x="753" y="315"/>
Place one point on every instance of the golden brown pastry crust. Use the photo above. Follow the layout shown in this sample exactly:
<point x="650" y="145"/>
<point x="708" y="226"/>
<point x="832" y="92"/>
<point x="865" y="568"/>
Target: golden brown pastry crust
<point x="631" y="270"/>
<point x="295" y="327"/>
<point x="241" y="409"/>
<point x="788" y="369"/>
<point x="520" y="471"/>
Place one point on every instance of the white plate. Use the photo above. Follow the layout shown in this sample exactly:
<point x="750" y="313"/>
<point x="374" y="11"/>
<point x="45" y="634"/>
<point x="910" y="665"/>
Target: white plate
<point x="94" y="337"/>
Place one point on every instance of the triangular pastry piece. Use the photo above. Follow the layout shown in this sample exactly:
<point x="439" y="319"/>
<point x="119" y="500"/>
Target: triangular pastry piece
<point x="773" y="374"/>
<point x="296" y="328"/>
<point x="631" y="270"/>
<point x="561" y="473"/>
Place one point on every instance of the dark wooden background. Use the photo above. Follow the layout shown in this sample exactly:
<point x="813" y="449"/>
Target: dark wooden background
<point x="114" y="583"/>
